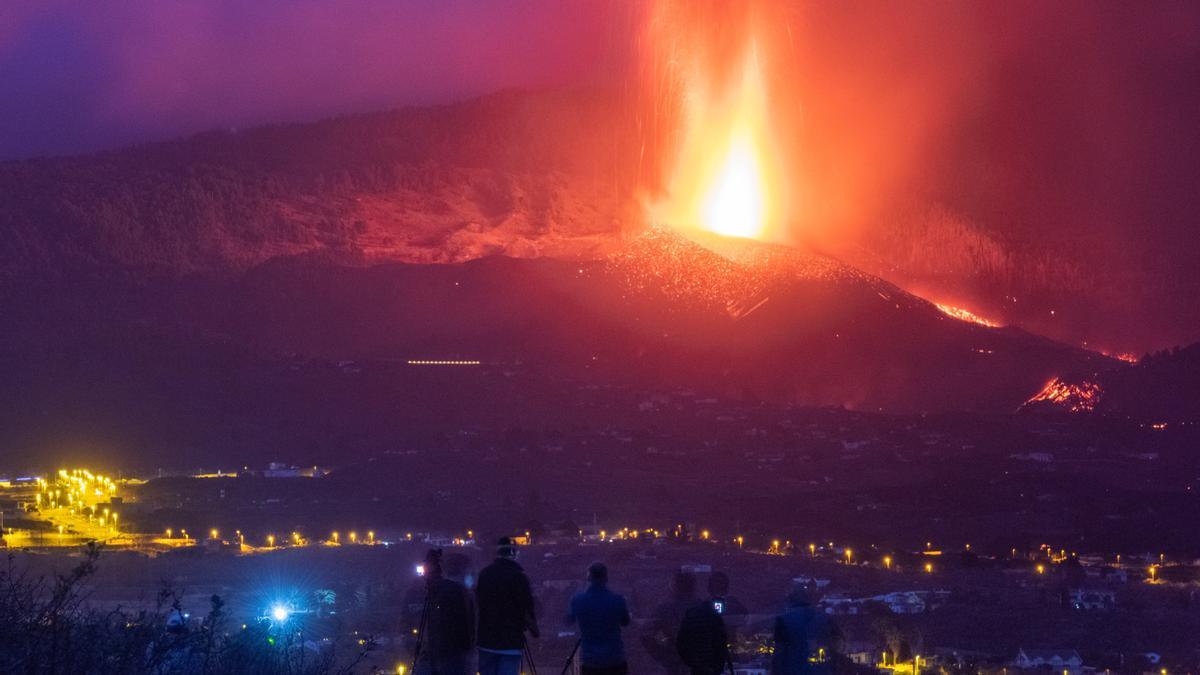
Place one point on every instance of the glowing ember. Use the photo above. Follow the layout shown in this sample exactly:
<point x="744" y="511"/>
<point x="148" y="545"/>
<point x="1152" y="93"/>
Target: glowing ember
<point x="1081" y="397"/>
<point x="964" y="315"/>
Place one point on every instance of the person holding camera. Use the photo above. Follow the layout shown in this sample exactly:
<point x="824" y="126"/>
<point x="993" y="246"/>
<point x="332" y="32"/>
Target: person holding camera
<point x="702" y="642"/>
<point x="506" y="612"/>
<point x="601" y="614"/>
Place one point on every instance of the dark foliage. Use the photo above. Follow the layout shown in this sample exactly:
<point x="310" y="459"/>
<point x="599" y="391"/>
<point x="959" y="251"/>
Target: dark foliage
<point x="47" y="627"/>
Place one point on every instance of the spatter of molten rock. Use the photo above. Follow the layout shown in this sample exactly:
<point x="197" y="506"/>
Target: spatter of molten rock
<point x="1081" y="397"/>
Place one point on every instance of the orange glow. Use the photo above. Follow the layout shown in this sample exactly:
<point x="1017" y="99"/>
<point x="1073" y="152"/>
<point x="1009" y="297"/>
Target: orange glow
<point x="721" y="180"/>
<point x="1081" y="397"/>
<point x="964" y="315"/>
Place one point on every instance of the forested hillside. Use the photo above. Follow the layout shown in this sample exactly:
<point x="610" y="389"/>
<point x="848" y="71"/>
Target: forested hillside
<point x="516" y="173"/>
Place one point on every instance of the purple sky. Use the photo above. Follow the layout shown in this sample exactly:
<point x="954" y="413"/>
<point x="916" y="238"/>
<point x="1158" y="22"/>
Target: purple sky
<point x="78" y="75"/>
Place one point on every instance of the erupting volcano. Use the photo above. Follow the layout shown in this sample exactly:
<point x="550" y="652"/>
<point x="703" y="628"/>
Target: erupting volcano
<point x="723" y="163"/>
<point x="720" y="179"/>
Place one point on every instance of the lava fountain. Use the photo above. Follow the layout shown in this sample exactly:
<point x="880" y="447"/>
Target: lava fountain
<point x="722" y="173"/>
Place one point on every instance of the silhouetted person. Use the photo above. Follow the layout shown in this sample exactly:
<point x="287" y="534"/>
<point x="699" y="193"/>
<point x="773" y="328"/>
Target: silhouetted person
<point x="797" y="630"/>
<point x="703" y="643"/>
<point x="659" y="638"/>
<point x="449" y="620"/>
<point x="601" y="614"/>
<point x="505" y="612"/>
<point x="718" y="593"/>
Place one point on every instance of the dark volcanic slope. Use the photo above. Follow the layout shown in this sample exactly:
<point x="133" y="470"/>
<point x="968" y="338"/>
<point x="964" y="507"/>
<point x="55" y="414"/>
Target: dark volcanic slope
<point x="662" y="312"/>
<point x="250" y="367"/>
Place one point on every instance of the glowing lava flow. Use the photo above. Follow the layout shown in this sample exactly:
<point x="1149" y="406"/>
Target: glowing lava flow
<point x="1081" y="397"/>
<point x="964" y="315"/>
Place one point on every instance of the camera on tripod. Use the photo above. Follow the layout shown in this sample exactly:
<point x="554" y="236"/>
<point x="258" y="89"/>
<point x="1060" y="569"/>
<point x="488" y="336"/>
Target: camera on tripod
<point x="432" y="566"/>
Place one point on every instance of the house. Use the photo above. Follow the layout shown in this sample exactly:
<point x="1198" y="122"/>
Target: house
<point x="861" y="652"/>
<point x="838" y="603"/>
<point x="1059" y="660"/>
<point x="902" y="602"/>
<point x="1092" y="599"/>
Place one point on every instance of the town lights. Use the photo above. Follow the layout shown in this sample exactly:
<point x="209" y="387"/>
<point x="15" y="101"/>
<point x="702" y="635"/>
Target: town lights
<point x="849" y="556"/>
<point x="271" y="541"/>
<point x="1041" y="569"/>
<point x="887" y="561"/>
<point x="929" y="568"/>
<point x="213" y="533"/>
<point x="812" y="550"/>
<point x="371" y="536"/>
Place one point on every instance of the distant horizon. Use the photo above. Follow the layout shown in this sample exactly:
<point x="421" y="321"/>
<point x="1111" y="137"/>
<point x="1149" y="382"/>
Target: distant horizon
<point x="314" y="119"/>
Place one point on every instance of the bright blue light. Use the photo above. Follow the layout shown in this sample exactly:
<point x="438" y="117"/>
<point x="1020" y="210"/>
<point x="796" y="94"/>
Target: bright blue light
<point x="280" y="613"/>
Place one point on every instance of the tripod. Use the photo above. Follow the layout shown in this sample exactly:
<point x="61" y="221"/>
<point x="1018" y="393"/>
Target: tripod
<point x="425" y="611"/>
<point x="529" y="659"/>
<point x="571" y="658"/>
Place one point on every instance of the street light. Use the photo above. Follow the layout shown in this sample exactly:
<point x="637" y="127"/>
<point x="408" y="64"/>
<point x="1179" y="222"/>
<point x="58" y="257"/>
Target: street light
<point x="887" y="561"/>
